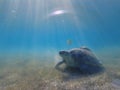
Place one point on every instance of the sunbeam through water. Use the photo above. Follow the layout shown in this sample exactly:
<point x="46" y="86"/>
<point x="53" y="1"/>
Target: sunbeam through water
<point x="34" y="32"/>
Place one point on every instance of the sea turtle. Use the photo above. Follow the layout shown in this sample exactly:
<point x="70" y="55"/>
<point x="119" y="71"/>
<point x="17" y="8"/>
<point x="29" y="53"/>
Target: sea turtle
<point x="81" y="58"/>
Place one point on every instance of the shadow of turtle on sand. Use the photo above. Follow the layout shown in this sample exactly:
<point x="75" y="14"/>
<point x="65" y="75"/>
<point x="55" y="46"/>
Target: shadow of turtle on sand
<point x="75" y="73"/>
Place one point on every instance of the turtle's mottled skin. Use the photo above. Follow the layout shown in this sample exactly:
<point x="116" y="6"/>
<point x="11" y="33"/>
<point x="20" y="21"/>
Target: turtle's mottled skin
<point x="81" y="58"/>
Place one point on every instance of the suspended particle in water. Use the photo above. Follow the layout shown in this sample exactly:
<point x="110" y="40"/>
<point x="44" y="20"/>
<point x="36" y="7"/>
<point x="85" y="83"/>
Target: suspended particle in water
<point x="69" y="42"/>
<point x="63" y="21"/>
<point x="13" y="11"/>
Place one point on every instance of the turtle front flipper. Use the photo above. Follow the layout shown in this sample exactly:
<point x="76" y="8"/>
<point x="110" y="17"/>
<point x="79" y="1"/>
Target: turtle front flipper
<point x="57" y="66"/>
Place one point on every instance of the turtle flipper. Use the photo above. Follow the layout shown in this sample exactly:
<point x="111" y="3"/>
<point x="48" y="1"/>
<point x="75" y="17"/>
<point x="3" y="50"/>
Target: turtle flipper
<point x="57" y="66"/>
<point x="59" y="63"/>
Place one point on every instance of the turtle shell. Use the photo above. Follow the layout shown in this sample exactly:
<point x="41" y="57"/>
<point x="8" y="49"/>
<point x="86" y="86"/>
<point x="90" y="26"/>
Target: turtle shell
<point x="82" y="58"/>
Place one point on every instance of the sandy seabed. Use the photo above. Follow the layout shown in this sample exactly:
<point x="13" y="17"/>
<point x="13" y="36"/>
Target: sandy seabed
<point x="39" y="74"/>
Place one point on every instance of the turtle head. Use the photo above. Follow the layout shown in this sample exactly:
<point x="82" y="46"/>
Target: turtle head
<point x="63" y="53"/>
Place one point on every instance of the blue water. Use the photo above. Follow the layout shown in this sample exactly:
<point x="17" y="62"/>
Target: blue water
<point x="44" y="27"/>
<point x="91" y="23"/>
